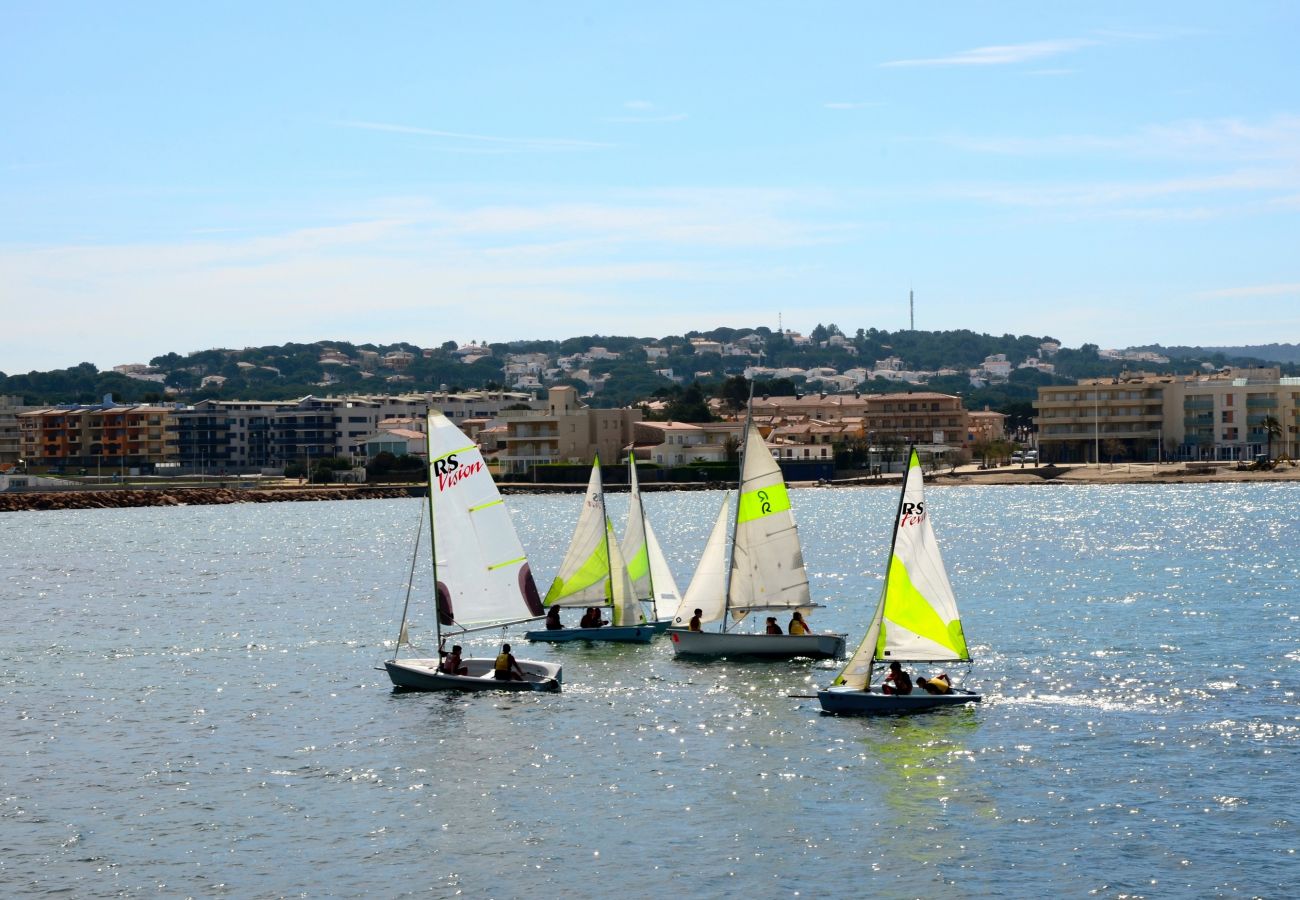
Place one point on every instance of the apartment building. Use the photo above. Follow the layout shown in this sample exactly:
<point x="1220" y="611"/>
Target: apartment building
<point x="917" y="417"/>
<point x="106" y="437"/>
<point x="567" y="431"/>
<point x="11" y="445"/>
<point x="1139" y="416"/>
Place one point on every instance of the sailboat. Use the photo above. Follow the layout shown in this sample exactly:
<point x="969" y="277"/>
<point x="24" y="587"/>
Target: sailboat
<point x="594" y="574"/>
<point x="915" y="621"/>
<point x="760" y="570"/>
<point x="480" y="572"/>
<point x="652" y="580"/>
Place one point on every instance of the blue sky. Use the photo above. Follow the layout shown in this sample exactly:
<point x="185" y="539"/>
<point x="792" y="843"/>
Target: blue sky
<point x="178" y="176"/>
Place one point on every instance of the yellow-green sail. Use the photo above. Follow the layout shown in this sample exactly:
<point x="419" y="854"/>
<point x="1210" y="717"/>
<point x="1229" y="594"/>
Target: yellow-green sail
<point x="916" y="617"/>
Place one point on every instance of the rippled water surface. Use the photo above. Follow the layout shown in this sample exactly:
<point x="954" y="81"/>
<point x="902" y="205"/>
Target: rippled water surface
<point x="189" y="706"/>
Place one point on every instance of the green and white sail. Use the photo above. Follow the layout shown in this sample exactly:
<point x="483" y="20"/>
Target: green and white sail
<point x="583" y="579"/>
<point x="593" y="572"/>
<point x="916" y="618"/>
<point x="767" y="567"/>
<point x="652" y="580"/>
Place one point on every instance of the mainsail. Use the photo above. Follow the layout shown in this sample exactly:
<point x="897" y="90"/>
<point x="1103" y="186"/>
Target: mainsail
<point x="916" y="618"/>
<point x="767" y="568"/>
<point x="708" y="589"/>
<point x="480" y="565"/>
<point x="593" y="572"/>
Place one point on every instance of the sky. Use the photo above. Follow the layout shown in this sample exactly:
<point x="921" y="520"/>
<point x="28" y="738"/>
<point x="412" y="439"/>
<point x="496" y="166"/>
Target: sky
<point x="180" y="176"/>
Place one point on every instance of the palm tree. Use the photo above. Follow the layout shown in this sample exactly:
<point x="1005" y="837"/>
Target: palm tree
<point x="1273" y="429"/>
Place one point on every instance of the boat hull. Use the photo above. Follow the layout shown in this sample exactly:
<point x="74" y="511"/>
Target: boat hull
<point x="847" y="701"/>
<point x="715" y="644"/>
<point x="423" y="675"/>
<point x="629" y="634"/>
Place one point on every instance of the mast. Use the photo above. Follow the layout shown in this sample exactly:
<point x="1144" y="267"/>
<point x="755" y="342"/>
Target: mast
<point x="433" y="540"/>
<point x="604" y="532"/>
<point x="740" y="491"/>
<point x="650" y="570"/>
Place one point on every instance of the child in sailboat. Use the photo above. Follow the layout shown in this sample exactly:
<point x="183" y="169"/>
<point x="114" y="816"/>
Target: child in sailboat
<point x="772" y="627"/>
<point x="897" y="681"/>
<point x="553" y="619"/>
<point x="798" y="625"/>
<point x="939" y="684"/>
<point x="451" y="663"/>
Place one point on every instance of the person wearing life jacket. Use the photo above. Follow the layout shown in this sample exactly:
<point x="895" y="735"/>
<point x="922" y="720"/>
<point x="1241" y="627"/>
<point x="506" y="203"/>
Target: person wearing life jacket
<point x="798" y="625"/>
<point x="772" y="627"/>
<point x="695" y="621"/>
<point x="506" y="667"/>
<point x="897" y="681"/>
<point x="451" y="663"/>
<point x="939" y="684"/>
<point x="553" y="619"/>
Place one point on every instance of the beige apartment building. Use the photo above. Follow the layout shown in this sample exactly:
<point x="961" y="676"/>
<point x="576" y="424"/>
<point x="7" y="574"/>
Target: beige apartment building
<point x="1225" y="415"/>
<point x="918" y="417"/>
<point x="565" y="431"/>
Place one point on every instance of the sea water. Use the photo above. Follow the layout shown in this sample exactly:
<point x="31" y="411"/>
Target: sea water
<point x="189" y="706"/>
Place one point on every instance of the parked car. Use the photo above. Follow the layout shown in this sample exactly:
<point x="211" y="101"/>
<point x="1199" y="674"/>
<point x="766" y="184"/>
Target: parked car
<point x="1017" y="457"/>
<point x="1031" y="456"/>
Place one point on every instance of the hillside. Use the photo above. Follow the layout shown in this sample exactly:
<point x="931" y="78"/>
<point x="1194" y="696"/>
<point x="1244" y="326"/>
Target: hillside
<point x="1001" y="372"/>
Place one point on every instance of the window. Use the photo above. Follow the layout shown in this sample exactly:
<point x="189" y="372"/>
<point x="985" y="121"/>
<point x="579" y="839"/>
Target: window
<point x="1226" y="416"/>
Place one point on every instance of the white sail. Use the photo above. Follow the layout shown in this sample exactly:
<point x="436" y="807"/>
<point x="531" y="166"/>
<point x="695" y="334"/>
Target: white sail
<point x="627" y="608"/>
<point x="767" y="568"/>
<point x="916" y="618"/>
<point x="482" y="571"/>
<point x="583" y="579"/>
<point x="667" y="595"/>
<point x="635" y="548"/>
<point x="708" y="589"/>
<point x="651" y="578"/>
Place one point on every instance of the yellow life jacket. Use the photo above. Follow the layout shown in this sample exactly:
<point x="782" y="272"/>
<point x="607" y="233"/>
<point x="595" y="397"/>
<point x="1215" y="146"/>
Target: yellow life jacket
<point x="503" y="662"/>
<point x="797" y="627"/>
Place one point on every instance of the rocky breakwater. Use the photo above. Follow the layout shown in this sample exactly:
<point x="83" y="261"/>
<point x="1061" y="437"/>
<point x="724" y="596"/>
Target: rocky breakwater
<point x="197" y="496"/>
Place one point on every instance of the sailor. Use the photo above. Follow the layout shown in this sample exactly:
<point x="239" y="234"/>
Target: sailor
<point x="902" y="682"/>
<point x="798" y="625"/>
<point x="772" y="627"/>
<point x="695" y="620"/>
<point x="553" y="619"/>
<point x="506" y="667"/>
<point x="451" y="663"/>
<point x="939" y="684"/>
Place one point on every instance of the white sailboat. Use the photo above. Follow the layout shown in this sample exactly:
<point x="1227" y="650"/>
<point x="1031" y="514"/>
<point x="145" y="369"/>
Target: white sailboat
<point x="480" y="572"/>
<point x="915" y="621"/>
<point x="760" y="570"/>
<point x="594" y="574"/>
<point x="652" y="580"/>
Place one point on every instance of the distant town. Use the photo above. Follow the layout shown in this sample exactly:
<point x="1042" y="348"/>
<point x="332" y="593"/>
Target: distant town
<point x="827" y="403"/>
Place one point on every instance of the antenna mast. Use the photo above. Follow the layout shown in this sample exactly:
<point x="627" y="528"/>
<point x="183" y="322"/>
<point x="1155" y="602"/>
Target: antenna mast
<point x="911" y="311"/>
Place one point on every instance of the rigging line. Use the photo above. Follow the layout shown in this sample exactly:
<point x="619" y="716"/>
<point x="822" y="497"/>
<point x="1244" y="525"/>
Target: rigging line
<point x="410" y="582"/>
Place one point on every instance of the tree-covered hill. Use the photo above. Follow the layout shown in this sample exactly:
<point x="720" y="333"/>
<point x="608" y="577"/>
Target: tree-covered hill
<point x="325" y="368"/>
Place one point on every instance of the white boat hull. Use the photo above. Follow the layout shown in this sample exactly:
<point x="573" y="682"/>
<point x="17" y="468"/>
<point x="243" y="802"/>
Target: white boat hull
<point x="715" y="644"/>
<point x="423" y="675"/>
<point x="847" y="701"/>
<point x="623" y="634"/>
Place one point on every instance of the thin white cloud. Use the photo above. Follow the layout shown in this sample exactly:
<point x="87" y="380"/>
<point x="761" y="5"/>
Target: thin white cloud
<point x="1000" y="55"/>
<point x="548" y="144"/>
<point x="1254" y="290"/>
<point x="1275" y="138"/>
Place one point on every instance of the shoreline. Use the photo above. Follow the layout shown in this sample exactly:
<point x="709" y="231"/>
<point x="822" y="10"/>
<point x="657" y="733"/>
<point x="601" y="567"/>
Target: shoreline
<point x="963" y="476"/>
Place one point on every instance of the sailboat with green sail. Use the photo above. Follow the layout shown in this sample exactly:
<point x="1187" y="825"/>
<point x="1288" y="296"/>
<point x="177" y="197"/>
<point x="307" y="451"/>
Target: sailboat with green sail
<point x="652" y="579"/>
<point x="915" y="620"/>
<point x="594" y="574"/>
